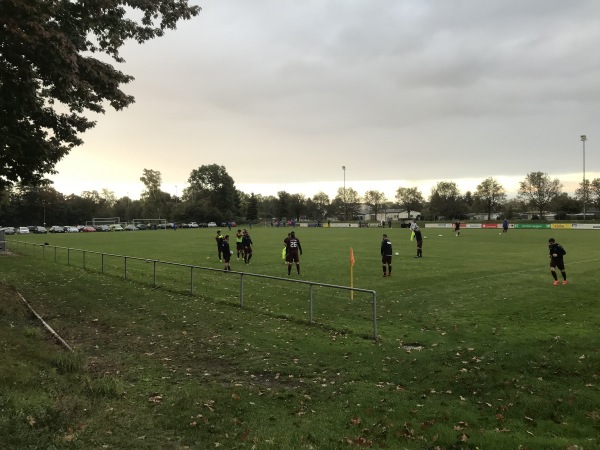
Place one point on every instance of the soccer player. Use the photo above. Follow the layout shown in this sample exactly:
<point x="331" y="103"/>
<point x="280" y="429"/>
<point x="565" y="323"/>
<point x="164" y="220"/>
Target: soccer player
<point x="292" y="249"/>
<point x="556" y="260"/>
<point x="247" y="244"/>
<point x="226" y="252"/>
<point x="219" y="239"/>
<point x="457" y="228"/>
<point x="238" y="244"/>
<point x="505" y="226"/>
<point x="419" y="238"/>
<point x="386" y="256"/>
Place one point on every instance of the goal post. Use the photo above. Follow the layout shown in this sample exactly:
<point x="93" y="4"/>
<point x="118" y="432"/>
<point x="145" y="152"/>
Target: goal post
<point x="97" y="221"/>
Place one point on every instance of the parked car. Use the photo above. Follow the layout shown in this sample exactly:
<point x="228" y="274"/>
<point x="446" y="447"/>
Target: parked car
<point x="22" y="230"/>
<point x="212" y="224"/>
<point x="102" y="228"/>
<point x="71" y="229"/>
<point x="56" y="229"/>
<point x="9" y="230"/>
<point x="88" y="229"/>
<point x="39" y="230"/>
<point x="116" y="227"/>
<point x="192" y="225"/>
<point x="131" y="228"/>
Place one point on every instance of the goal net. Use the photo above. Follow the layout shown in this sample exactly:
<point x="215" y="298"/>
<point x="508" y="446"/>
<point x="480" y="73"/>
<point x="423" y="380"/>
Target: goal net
<point x="152" y="224"/>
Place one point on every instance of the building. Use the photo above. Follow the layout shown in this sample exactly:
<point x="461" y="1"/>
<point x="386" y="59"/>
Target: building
<point x="394" y="214"/>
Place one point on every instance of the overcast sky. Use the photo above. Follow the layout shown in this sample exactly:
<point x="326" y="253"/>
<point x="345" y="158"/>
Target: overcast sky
<point x="400" y="92"/>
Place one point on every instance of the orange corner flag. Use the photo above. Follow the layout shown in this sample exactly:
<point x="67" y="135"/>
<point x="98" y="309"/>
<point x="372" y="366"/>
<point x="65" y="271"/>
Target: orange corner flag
<point x="351" y="257"/>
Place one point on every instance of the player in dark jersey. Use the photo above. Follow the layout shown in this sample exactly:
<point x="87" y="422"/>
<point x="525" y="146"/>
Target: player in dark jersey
<point x="386" y="256"/>
<point x="457" y="228"/>
<point x="556" y="260"/>
<point x="226" y="252"/>
<point x="419" y="239"/>
<point x="247" y="244"/>
<point x="292" y="251"/>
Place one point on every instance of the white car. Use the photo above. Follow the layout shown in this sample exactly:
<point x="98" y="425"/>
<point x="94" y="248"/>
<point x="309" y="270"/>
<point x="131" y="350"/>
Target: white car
<point x="22" y="230"/>
<point x="193" y="225"/>
<point x="71" y="230"/>
<point x="212" y="224"/>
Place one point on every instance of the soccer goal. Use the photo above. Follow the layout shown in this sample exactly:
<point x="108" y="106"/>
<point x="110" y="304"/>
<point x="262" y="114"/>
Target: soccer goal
<point x="152" y="224"/>
<point x="97" y="221"/>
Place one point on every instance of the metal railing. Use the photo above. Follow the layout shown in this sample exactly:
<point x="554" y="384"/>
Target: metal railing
<point x="15" y="245"/>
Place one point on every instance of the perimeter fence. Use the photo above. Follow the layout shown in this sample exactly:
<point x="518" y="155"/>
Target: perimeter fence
<point x="274" y="295"/>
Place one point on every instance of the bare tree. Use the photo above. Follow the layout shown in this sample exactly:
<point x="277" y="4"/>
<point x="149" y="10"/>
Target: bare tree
<point x="410" y="199"/>
<point x="321" y="200"/>
<point x="375" y="200"/>
<point x="490" y="195"/>
<point x="349" y="200"/>
<point x="538" y="190"/>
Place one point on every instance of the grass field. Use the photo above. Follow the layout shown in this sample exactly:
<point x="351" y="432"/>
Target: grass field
<point x="476" y="348"/>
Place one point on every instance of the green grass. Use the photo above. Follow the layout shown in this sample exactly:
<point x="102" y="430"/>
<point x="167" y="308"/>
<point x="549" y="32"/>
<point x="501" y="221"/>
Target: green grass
<point x="476" y="348"/>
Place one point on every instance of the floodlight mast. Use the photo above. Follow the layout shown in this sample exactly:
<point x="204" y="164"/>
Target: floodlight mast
<point x="584" y="187"/>
<point x="345" y="207"/>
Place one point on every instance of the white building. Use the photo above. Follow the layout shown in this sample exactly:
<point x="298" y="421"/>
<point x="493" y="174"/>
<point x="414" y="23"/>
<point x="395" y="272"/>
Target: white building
<point x="393" y="214"/>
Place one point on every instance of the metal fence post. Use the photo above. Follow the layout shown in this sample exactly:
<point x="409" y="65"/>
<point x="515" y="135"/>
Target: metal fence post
<point x="241" y="290"/>
<point x="154" y="273"/>
<point x="84" y="260"/>
<point x="68" y="257"/>
<point x="192" y="280"/>
<point x="125" y="260"/>
<point x="374" y="315"/>
<point x="102" y="262"/>
<point x="310" y="303"/>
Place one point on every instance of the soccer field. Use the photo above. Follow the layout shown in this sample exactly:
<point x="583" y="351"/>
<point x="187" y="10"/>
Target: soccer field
<point x="479" y="277"/>
<point x="476" y="348"/>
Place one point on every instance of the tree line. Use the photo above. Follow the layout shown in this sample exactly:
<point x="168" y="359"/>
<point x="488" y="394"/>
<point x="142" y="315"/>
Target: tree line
<point x="211" y="195"/>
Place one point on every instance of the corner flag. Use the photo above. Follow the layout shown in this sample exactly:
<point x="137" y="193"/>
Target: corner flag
<point x="351" y="257"/>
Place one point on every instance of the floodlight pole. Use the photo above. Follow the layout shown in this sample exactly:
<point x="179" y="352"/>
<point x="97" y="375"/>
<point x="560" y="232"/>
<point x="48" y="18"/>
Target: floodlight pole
<point x="583" y="139"/>
<point x="345" y="207"/>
